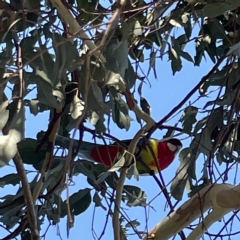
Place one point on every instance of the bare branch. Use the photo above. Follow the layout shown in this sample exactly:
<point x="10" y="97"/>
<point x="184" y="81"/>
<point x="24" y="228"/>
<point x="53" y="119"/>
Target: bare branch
<point x="27" y="197"/>
<point x="221" y="198"/>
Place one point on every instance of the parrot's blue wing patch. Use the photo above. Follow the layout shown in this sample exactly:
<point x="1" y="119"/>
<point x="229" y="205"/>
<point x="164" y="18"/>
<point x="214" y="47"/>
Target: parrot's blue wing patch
<point x="85" y="155"/>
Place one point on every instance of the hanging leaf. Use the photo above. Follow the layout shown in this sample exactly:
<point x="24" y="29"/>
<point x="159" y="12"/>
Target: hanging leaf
<point x="235" y="50"/>
<point x="134" y="196"/>
<point x="152" y="63"/>
<point x="217" y="29"/>
<point x="66" y="52"/>
<point x="27" y="150"/>
<point x="130" y="75"/>
<point x="216" y="79"/>
<point x="76" y="108"/>
<point x="120" y="118"/>
<point x="4" y="113"/>
<point x="202" y="142"/>
<point x="119" y="162"/>
<point x="214" y="9"/>
<point x="145" y="105"/>
<point x="79" y="202"/>
<point x="196" y="189"/>
<point x="137" y="28"/>
<point x="98" y="201"/>
<point x="35" y="106"/>
<point x="189" y="118"/>
<point x="45" y="94"/>
<point x="176" y="62"/>
<point x="187" y="164"/>
<point x="94" y="118"/>
<point x="12" y="179"/>
<point x="120" y="110"/>
<point x="175" y="23"/>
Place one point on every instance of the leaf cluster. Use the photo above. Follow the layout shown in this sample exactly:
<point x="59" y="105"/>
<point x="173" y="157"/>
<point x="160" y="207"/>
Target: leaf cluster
<point x="61" y="70"/>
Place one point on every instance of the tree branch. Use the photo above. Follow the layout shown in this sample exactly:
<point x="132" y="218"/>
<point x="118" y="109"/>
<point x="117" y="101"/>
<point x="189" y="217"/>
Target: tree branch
<point x="27" y="197"/>
<point x="221" y="198"/>
<point x="131" y="149"/>
<point x="75" y="28"/>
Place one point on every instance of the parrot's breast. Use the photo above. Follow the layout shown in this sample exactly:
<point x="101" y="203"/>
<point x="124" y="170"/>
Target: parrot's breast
<point x="165" y="155"/>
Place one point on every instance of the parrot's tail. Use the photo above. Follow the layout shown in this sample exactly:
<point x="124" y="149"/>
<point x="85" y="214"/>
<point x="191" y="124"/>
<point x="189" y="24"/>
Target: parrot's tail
<point x="104" y="154"/>
<point x="85" y="148"/>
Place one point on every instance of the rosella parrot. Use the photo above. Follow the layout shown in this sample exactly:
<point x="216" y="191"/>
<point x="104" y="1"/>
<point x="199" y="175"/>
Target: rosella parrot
<point x="165" y="152"/>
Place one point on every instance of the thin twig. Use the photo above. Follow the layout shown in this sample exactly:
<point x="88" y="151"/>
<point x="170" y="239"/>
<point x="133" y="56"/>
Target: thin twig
<point x="69" y="159"/>
<point x="19" y="163"/>
<point x="204" y="78"/>
<point x="32" y="221"/>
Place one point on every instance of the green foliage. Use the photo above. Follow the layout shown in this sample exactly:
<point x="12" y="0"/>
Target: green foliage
<point x="27" y="150"/>
<point x="189" y="118"/>
<point x="41" y="54"/>
<point x="134" y="196"/>
<point x="79" y="202"/>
